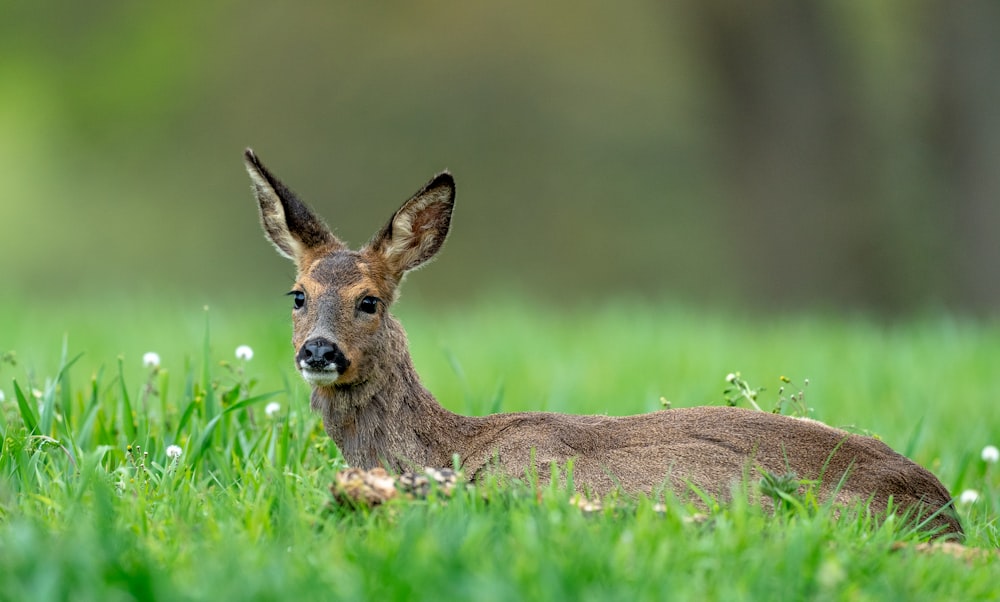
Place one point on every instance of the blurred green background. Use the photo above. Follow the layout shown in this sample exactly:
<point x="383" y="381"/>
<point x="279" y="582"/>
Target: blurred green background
<point x="773" y="155"/>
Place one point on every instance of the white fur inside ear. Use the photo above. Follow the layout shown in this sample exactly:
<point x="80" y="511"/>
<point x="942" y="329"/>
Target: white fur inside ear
<point x="409" y="247"/>
<point x="272" y="216"/>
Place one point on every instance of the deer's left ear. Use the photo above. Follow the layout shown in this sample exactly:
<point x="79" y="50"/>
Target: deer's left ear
<point x="418" y="229"/>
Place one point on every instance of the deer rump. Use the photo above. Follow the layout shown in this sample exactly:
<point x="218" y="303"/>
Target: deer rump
<point x="355" y="356"/>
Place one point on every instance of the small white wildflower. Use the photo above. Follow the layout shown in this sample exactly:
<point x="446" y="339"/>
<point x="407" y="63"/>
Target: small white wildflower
<point x="174" y="451"/>
<point x="3" y="397"/>
<point x="272" y="408"/>
<point x="990" y="453"/>
<point x="831" y="573"/>
<point x="730" y="377"/>
<point x="244" y="352"/>
<point x="151" y="359"/>
<point x="968" y="496"/>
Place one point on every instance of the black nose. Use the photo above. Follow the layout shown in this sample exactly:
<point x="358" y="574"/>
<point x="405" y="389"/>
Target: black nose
<point x="322" y="354"/>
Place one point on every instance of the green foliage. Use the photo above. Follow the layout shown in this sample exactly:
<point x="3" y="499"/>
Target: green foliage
<point x="96" y="503"/>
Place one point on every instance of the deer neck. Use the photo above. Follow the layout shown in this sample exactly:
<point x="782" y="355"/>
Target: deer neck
<point x="390" y="419"/>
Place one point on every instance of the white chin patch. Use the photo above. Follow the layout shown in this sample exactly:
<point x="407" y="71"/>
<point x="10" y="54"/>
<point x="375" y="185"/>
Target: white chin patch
<point x="319" y="378"/>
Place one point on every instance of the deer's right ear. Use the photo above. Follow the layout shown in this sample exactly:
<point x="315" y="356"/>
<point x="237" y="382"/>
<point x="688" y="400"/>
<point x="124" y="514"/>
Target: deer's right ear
<point x="288" y="222"/>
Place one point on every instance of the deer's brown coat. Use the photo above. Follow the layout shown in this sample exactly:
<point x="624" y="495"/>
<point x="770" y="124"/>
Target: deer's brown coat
<point x="379" y="414"/>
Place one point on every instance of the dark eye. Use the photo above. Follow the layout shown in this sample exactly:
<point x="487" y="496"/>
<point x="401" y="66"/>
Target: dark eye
<point x="368" y="305"/>
<point x="298" y="299"/>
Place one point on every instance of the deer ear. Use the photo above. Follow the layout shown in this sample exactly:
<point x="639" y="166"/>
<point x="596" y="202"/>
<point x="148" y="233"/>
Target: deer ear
<point x="418" y="229"/>
<point x="289" y="224"/>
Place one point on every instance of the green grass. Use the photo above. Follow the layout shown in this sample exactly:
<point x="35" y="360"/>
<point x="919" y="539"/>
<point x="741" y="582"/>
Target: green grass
<point x="92" y="508"/>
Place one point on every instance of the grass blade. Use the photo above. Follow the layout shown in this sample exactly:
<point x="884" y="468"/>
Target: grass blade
<point x="185" y="418"/>
<point x="49" y="398"/>
<point x="914" y="440"/>
<point x="128" y="416"/>
<point x="206" y="372"/>
<point x="27" y="414"/>
<point x="249" y="401"/>
<point x="204" y="442"/>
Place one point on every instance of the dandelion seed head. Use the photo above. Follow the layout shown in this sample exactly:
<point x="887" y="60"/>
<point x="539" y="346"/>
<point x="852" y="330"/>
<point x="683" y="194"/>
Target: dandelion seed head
<point x="174" y="451"/>
<point x="272" y="409"/>
<point x="968" y="496"/>
<point x="990" y="453"/>
<point x="244" y="352"/>
<point x="151" y="359"/>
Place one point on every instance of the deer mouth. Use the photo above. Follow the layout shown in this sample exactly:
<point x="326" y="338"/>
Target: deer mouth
<point x="319" y="377"/>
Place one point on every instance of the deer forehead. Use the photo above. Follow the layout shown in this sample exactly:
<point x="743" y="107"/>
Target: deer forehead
<point x="346" y="274"/>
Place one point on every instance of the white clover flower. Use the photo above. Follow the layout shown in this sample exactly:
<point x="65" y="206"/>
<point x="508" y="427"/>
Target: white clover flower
<point x="990" y="453"/>
<point x="244" y="352"/>
<point x="730" y="377"/>
<point x="174" y="451"/>
<point x="272" y="409"/>
<point x="968" y="496"/>
<point x="151" y="359"/>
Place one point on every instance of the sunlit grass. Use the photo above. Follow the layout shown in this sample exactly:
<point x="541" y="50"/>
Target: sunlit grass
<point x="205" y="476"/>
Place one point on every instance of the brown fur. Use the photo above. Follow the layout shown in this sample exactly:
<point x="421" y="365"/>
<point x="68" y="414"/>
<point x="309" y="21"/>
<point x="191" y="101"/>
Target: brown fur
<point x="379" y="414"/>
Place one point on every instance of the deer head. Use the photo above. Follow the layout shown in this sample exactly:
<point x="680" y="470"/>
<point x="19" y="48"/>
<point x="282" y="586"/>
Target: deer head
<point x="341" y="298"/>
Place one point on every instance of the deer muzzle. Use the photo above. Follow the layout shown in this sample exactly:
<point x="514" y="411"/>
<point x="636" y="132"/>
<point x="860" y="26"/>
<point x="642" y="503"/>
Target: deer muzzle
<point x="321" y="362"/>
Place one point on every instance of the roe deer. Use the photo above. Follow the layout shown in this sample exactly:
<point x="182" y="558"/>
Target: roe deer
<point x="354" y="354"/>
